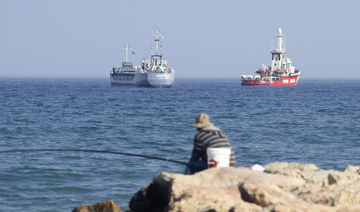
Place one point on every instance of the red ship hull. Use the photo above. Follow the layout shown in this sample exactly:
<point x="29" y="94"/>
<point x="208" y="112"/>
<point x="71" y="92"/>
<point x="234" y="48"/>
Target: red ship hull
<point x="283" y="81"/>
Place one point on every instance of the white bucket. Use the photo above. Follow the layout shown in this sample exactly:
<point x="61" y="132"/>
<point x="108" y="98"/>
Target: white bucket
<point x="218" y="157"/>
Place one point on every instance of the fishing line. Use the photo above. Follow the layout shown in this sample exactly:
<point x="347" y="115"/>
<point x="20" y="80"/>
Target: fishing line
<point x="93" y="151"/>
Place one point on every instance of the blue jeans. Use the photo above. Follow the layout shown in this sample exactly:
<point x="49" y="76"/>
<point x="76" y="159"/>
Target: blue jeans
<point x="195" y="166"/>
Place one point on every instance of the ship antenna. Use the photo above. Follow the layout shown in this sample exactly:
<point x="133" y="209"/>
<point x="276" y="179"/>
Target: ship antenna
<point x="126" y="51"/>
<point x="157" y="36"/>
<point x="281" y="44"/>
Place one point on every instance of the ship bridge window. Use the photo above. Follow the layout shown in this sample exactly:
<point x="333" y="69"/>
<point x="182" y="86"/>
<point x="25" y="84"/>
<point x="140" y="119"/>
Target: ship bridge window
<point x="276" y="57"/>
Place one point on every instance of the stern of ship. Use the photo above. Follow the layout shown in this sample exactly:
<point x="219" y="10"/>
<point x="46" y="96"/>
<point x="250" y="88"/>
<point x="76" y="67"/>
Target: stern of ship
<point x="161" y="80"/>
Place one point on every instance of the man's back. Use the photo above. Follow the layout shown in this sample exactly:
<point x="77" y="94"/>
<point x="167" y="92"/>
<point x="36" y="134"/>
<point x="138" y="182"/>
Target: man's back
<point x="210" y="137"/>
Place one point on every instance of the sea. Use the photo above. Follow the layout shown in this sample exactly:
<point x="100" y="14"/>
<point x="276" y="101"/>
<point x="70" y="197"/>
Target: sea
<point x="317" y="121"/>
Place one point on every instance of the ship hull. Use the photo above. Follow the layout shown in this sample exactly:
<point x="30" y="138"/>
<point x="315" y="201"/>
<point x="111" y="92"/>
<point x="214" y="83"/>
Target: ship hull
<point x="284" y="81"/>
<point x="129" y="79"/>
<point x="164" y="80"/>
<point x="161" y="80"/>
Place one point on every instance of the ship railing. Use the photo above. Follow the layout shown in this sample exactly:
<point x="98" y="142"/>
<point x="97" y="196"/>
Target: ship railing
<point x="123" y="69"/>
<point x="250" y="77"/>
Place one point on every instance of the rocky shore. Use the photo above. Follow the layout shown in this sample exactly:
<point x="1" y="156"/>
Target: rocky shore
<point x="282" y="187"/>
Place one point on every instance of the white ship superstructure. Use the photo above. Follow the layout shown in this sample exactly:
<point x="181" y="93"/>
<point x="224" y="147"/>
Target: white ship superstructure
<point x="160" y="74"/>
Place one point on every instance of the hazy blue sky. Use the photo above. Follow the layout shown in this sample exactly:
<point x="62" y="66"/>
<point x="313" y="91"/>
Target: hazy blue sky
<point x="202" y="38"/>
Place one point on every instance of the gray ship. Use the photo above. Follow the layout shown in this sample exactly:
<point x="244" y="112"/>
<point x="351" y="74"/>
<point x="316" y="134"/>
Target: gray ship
<point x="152" y="73"/>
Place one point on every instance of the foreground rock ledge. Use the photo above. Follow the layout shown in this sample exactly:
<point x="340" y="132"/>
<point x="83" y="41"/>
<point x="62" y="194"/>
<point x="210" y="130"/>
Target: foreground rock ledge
<point x="284" y="187"/>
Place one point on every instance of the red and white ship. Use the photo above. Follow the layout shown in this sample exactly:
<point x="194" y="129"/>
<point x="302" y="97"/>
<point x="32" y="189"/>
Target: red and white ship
<point x="280" y="73"/>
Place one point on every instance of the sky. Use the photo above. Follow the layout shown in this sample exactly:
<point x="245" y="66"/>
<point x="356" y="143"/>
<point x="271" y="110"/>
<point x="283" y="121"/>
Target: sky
<point x="202" y="38"/>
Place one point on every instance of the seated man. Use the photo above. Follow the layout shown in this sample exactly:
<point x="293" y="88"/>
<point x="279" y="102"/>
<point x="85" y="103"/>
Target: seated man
<point x="208" y="136"/>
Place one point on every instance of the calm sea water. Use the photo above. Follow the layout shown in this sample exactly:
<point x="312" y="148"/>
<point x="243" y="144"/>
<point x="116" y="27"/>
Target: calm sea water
<point x="315" y="122"/>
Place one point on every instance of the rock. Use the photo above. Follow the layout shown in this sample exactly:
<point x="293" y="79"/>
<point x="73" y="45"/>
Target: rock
<point x="353" y="169"/>
<point x="108" y="206"/>
<point x="282" y="187"/>
<point x="308" y="172"/>
<point x="210" y="190"/>
<point x="213" y="189"/>
<point x="327" y="187"/>
<point x="154" y="196"/>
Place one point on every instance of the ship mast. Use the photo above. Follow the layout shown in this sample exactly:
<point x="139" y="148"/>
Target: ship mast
<point x="126" y="51"/>
<point x="157" y="36"/>
<point x="281" y="43"/>
<point x="277" y="54"/>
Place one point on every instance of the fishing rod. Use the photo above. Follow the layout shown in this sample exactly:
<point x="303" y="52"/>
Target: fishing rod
<point x="93" y="151"/>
